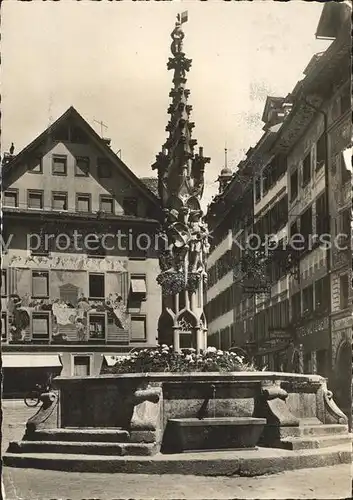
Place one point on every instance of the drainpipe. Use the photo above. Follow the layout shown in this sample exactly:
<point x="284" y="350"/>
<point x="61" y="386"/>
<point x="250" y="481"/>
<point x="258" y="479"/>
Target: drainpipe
<point x="328" y="217"/>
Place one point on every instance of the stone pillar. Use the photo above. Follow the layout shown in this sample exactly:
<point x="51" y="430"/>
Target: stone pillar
<point x="301" y="359"/>
<point x="199" y="340"/>
<point x="176" y="339"/>
<point x="313" y="362"/>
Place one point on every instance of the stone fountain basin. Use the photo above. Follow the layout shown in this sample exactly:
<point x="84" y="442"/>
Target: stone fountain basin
<point x="219" y="433"/>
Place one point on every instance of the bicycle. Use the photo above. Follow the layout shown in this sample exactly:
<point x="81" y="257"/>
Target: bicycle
<point x="32" y="398"/>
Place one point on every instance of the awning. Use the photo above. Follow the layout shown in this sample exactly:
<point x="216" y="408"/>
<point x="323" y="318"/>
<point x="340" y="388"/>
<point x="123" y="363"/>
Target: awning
<point x="138" y="285"/>
<point x="31" y="361"/>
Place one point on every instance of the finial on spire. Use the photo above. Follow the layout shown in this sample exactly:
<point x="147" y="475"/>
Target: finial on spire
<point x="225" y="157"/>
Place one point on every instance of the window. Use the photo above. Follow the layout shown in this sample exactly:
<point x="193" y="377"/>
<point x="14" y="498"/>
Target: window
<point x="138" y="328"/>
<point x="321" y="152"/>
<point x="59" y="165"/>
<point x="322" y="293"/>
<point x="10" y="199"/>
<point x="138" y="286"/>
<point x="106" y="204"/>
<point x="39" y="243"/>
<point x="40" y="326"/>
<point x="344" y="291"/>
<point x="307" y="169"/>
<point x="82" y="366"/>
<point x="294" y="229"/>
<point x="258" y="190"/>
<point x="296" y="306"/>
<point x="35" y="199"/>
<point x="59" y="201"/>
<point x="83" y="203"/>
<point x="308" y="299"/>
<point x="130" y="206"/>
<point x="321" y="216"/>
<point x="36" y="165"/>
<point x="95" y="246"/>
<point x="346" y="102"/>
<point x="307" y="362"/>
<point x="3" y="282"/>
<point x="345" y="172"/>
<point x="96" y="286"/>
<point x="40" y="284"/>
<point x="104" y="168"/>
<point x="321" y="362"/>
<point x="96" y="326"/>
<point x="306" y="224"/>
<point x="82" y="166"/>
<point x="3" y="327"/>
<point x="345" y="217"/>
<point x="294" y="185"/>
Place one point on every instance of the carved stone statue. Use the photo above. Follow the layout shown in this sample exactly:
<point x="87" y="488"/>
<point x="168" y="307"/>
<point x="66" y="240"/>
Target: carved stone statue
<point x="177" y="36"/>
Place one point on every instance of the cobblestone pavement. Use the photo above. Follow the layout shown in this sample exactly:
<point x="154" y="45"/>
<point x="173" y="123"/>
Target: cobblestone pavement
<point x="30" y="484"/>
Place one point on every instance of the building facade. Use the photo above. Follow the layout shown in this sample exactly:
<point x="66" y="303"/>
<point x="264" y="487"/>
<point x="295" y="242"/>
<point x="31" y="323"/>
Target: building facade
<point x="79" y="256"/>
<point x="301" y="191"/>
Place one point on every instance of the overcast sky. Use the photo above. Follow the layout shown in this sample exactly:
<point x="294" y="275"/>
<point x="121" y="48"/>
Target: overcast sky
<point x="108" y="60"/>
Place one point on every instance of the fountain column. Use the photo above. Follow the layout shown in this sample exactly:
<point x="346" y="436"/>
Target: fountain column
<point x="184" y="230"/>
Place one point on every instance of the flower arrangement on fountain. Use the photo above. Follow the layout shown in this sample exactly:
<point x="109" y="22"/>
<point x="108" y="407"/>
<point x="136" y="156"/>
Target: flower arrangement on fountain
<point x="173" y="282"/>
<point x="164" y="359"/>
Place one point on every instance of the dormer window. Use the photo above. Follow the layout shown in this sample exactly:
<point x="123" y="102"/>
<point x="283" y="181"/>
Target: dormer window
<point x="104" y="168"/>
<point x="59" y="165"/>
<point x="82" y="166"/>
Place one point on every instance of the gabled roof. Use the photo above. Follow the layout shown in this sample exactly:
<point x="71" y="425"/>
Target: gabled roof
<point x="100" y="143"/>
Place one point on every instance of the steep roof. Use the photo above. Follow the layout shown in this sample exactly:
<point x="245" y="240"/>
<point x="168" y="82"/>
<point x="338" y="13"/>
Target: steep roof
<point x="100" y="143"/>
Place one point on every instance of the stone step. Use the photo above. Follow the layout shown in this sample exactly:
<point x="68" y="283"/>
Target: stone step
<point x="311" y="442"/>
<point x="314" y="430"/>
<point x="85" y="448"/>
<point x="224" y="463"/>
<point x="104" y="435"/>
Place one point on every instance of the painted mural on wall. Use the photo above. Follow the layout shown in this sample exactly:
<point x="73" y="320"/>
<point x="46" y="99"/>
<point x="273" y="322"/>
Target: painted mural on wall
<point x="74" y="263"/>
<point x="69" y="322"/>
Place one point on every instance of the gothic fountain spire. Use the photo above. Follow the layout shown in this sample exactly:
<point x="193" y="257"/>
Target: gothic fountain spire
<point x="181" y="184"/>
